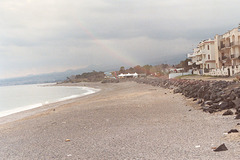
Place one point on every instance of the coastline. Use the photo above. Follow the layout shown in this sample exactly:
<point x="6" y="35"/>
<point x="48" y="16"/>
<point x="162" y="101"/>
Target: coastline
<point x="29" y="110"/>
<point x="123" y="121"/>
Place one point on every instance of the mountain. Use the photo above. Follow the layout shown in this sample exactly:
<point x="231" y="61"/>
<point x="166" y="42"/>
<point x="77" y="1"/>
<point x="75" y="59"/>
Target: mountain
<point x="54" y="77"/>
<point x="61" y="76"/>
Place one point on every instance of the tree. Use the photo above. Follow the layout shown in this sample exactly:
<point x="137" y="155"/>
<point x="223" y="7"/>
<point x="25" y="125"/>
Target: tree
<point x="147" y="69"/>
<point x="138" y="69"/>
<point x="122" y="70"/>
<point x="184" y="64"/>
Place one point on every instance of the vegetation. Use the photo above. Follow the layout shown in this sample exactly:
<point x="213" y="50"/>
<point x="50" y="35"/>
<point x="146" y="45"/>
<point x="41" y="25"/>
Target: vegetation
<point x="184" y="64"/>
<point x="86" y="77"/>
<point x="158" y="70"/>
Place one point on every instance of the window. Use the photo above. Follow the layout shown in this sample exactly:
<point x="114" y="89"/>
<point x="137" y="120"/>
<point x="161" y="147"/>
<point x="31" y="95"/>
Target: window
<point x="208" y="47"/>
<point x="208" y="56"/>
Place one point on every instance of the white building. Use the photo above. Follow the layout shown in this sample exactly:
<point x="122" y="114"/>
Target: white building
<point x="218" y="57"/>
<point x="203" y="57"/>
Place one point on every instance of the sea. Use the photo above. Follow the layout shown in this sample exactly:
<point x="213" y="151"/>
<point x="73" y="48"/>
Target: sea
<point x="19" y="98"/>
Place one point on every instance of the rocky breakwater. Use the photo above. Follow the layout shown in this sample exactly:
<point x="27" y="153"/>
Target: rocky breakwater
<point x="212" y="96"/>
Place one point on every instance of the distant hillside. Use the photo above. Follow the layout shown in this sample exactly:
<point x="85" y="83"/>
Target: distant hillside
<point x="53" y="77"/>
<point x="61" y="76"/>
<point x="86" y="77"/>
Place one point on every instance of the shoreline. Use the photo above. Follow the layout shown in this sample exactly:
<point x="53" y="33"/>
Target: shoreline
<point x="30" y="110"/>
<point x="123" y="121"/>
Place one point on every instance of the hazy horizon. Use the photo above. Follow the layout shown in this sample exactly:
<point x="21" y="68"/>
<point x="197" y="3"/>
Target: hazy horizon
<point x="54" y="36"/>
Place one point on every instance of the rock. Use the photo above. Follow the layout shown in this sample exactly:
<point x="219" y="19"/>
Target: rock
<point x="228" y="112"/>
<point x="232" y="96"/>
<point x="238" y="124"/>
<point x="223" y="105"/>
<point x="205" y="108"/>
<point x="189" y="110"/>
<point x="233" y="131"/>
<point x="217" y="100"/>
<point x="238" y="116"/>
<point x="237" y="102"/>
<point x="195" y="99"/>
<point x="209" y="102"/>
<point x="222" y="147"/>
<point x="199" y="102"/>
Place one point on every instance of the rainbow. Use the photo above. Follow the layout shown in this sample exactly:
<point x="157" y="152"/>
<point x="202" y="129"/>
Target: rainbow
<point x="126" y="59"/>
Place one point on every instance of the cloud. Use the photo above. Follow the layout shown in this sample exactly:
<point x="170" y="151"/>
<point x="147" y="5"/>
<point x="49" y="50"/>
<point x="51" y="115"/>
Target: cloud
<point x="51" y="35"/>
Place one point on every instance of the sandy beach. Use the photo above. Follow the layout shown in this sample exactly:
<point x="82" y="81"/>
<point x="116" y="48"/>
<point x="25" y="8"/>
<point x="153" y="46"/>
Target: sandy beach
<point x="122" y="121"/>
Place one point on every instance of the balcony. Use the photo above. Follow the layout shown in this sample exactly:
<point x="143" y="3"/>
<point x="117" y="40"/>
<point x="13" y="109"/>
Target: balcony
<point x="191" y="55"/>
<point x="199" y="62"/>
<point x="225" y="46"/>
<point x="233" y="44"/>
<point x="190" y="63"/>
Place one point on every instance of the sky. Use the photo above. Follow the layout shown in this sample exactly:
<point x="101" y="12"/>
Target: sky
<point x="43" y="36"/>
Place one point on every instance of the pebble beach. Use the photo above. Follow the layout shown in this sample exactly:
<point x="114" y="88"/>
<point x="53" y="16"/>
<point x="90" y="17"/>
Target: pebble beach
<point x="124" y="120"/>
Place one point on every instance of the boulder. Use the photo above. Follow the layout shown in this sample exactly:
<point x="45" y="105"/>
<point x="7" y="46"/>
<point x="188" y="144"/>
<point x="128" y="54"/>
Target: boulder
<point x="237" y="102"/>
<point x="209" y="102"/>
<point x="217" y="100"/>
<point x="223" y="105"/>
<point x="238" y="116"/>
<point x="199" y="102"/>
<point x="228" y="112"/>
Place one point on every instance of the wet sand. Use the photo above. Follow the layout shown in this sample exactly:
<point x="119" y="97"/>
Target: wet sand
<point x="122" y="121"/>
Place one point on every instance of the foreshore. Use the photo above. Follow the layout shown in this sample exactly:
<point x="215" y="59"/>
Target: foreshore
<point x="123" y="121"/>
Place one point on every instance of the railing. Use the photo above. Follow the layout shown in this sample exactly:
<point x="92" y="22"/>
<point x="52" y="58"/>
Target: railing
<point x="225" y="46"/>
<point x="235" y="43"/>
<point x="224" y="57"/>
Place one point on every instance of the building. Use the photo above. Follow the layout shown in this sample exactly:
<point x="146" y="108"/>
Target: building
<point x="218" y="57"/>
<point x="203" y="57"/>
<point x="129" y="75"/>
<point x="228" y="52"/>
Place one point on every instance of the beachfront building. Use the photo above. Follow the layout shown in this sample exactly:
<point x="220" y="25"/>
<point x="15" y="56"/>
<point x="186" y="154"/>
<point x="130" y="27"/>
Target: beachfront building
<point x="218" y="57"/>
<point x="228" y="52"/>
<point x="129" y="75"/>
<point x="203" y="57"/>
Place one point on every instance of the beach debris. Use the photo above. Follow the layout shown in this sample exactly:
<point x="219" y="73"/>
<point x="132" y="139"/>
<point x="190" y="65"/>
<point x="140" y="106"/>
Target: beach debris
<point x="233" y="131"/>
<point x="67" y="140"/>
<point x="198" y="146"/>
<point x="228" y="112"/>
<point x="189" y="110"/>
<point x="222" y="147"/>
<point x="238" y="124"/>
<point x="54" y="109"/>
<point x="69" y="155"/>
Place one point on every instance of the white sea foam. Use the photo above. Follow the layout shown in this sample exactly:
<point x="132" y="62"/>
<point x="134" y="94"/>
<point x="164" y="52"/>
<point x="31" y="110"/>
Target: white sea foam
<point x="19" y="109"/>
